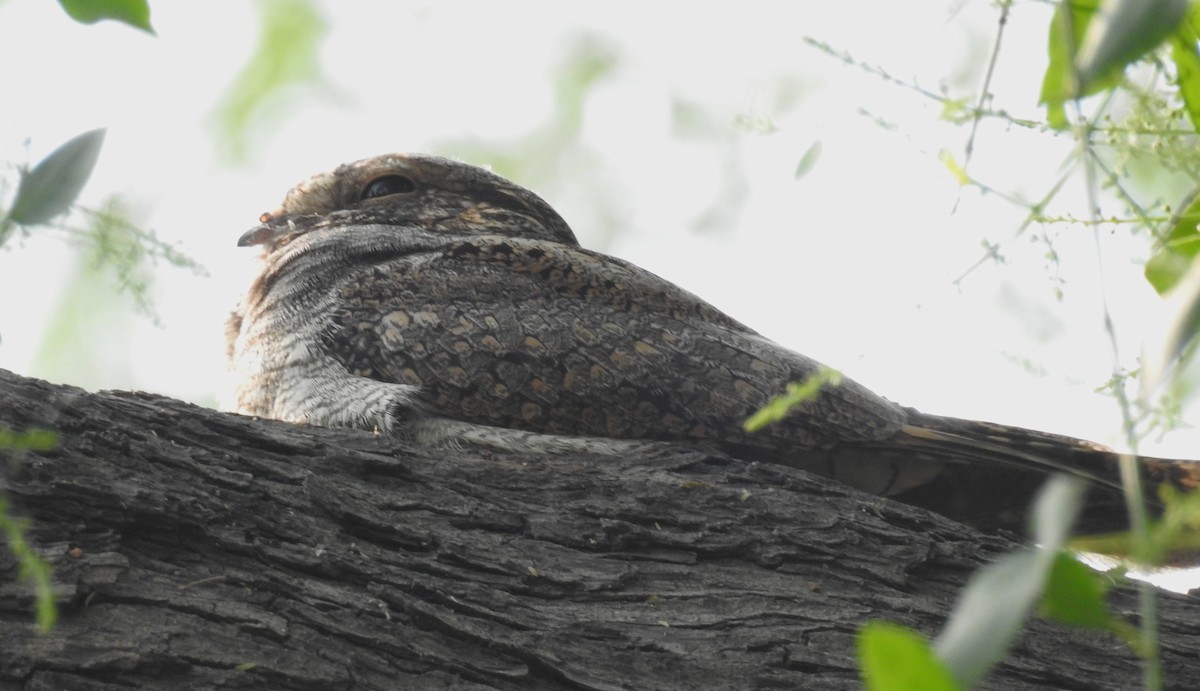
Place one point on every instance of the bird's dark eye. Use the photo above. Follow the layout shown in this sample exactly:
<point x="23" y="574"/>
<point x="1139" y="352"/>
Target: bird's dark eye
<point x="388" y="184"/>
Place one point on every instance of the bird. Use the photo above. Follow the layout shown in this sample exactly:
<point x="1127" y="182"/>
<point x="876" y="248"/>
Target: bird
<point x="433" y="300"/>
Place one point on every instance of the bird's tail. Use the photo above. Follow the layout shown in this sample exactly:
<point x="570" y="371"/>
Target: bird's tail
<point x="992" y="471"/>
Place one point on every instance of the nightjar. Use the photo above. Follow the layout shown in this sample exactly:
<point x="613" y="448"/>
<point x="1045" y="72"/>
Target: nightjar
<point x="431" y="299"/>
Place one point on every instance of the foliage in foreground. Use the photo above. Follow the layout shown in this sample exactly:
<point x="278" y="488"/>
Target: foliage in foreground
<point x="30" y="566"/>
<point x="1092" y="46"/>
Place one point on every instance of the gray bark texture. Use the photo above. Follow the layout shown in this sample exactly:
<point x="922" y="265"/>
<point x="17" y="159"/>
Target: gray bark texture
<point x="195" y="550"/>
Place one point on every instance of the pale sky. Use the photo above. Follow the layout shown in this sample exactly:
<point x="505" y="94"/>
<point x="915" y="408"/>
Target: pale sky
<point x="852" y="263"/>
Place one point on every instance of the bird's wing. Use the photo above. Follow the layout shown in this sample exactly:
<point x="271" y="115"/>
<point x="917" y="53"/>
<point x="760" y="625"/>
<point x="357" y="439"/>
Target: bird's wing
<point x="557" y="339"/>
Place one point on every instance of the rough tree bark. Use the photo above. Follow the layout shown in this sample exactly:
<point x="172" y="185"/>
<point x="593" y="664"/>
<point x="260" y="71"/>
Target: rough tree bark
<point x="194" y="549"/>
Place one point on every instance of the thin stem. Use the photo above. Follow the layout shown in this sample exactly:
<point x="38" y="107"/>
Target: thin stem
<point x="987" y="83"/>
<point x="1135" y="499"/>
<point x="1130" y="477"/>
<point x="1035" y="212"/>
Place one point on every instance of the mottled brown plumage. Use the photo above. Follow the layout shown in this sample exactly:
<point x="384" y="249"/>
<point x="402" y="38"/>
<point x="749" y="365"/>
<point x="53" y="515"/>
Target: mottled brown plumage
<point x="430" y="298"/>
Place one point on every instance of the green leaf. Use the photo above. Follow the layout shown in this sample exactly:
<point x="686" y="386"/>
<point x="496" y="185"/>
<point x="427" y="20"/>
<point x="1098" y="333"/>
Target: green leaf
<point x="1000" y="596"/>
<point x="1056" y="115"/>
<point x="1075" y="595"/>
<point x="796" y="394"/>
<point x="1187" y="73"/>
<point x="1166" y="268"/>
<point x="1121" y="32"/>
<point x="808" y="160"/>
<point x="896" y="658"/>
<point x="1067" y="28"/>
<point x="135" y="13"/>
<point x="51" y="187"/>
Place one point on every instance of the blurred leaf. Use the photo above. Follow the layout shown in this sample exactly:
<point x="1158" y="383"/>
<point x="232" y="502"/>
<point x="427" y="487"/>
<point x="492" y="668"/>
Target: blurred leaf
<point x="957" y="110"/>
<point x="129" y="253"/>
<point x="90" y="311"/>
<point x="1187" y="72"/>
<point x="1067" y="29"/>
<point x="88" y="333"/>
<point x="690" y="119"/>
<point x="1075" y="595"/>
<point x="286" y="56"/>
<point x="1054" y="511"/>
<point x="1176" y="533"/>
<point x="135" y="13"/>
<point x="592" y="58"/>
<point x="896" y="658"/>
<point x="1184" y="303"/>
<point x="999" y="597"/>
<point x="34" y="439"/>
<point x="1165" y="544"/>
<point x="808" y="160"/>
<point x="990" y="611"/>
<point x="537" y="158"/>
<point x="1182" y="509"/>
<point x="31" y="567"/>
<point x="1166" y="268"/>
<point x="1121" y="32"/>
<point x="53" y="185"/>
<point x="959" y="173"/>
<point x="86" y="339"/>
<point x="755" y="123"/>
<point x="796" y="394"/>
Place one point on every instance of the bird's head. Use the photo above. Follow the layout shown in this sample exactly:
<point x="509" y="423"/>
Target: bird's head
<point x="410" y="191"/>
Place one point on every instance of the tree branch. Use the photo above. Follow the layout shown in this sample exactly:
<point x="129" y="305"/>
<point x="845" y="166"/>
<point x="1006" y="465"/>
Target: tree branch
<point x="195" y="549"/>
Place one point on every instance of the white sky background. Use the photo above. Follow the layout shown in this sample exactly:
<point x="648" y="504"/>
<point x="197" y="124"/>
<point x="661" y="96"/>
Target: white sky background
<point x="852" y="263"/>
